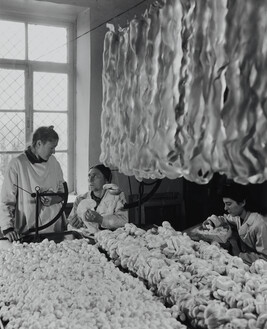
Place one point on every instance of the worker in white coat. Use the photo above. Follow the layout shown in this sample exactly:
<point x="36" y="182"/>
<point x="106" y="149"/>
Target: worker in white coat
<point x="250" y="240"/>
<point x="101" y="206"/>
<point x="35" y="167"/>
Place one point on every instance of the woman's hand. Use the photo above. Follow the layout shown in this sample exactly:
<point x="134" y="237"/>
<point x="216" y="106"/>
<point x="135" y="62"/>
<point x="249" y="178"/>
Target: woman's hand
<point x="93" y="216"/>
<point x="48" y="201"/>
<point x="12" y="236"/>
<point x="76" y="222"/>
<point x="207" y="224"/>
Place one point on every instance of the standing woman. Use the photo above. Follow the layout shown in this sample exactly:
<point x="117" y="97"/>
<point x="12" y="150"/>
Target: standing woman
<point x="35" y="167"/>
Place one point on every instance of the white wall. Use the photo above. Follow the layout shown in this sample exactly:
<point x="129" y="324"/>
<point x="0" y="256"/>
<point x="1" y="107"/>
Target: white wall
<point x="82" y="101"/>
<point x="97" y="38"/>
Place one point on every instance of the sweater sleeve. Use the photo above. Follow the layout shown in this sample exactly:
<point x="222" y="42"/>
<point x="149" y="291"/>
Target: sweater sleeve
<point x="60" y="186"/>
<point x="260" y="246"/>
<point x="8" y="197"/>
<point x="119" y="217"/>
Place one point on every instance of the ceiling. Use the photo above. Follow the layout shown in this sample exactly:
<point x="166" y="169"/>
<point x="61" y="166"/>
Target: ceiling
<point x="101" y="10"/>
<point x="40" y="9"/>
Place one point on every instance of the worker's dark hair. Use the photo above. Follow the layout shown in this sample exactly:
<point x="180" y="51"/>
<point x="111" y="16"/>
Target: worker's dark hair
<point x="234" y="191"/>
<point x="104" y="170"/>
<point x="44" y="134"/>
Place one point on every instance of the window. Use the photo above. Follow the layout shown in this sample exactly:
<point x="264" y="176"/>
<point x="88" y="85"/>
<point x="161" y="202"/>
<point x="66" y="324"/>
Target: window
<point x="36" y="89"/>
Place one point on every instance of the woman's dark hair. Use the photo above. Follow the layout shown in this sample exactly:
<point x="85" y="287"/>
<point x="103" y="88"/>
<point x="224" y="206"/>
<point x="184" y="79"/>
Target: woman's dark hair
<point x="104" y="170"/>
<point x="234" y="191"/>
<point x="44" y="134"/>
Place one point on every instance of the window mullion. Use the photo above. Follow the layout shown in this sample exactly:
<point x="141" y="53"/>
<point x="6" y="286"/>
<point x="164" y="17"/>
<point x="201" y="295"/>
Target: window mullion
<point x="71" y="116"/>
<point x="29" y="102"/>
<point x="26" y="42"/>
<point x="28" y="90"/>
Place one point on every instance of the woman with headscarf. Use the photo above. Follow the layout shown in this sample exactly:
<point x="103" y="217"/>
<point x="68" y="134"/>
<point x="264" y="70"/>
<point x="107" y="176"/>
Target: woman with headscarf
<point x="101" y="206"/>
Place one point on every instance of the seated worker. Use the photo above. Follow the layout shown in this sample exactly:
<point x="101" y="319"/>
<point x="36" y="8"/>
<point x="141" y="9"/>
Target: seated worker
<point x="101" y="206"/>
<point x="250" y="241"/>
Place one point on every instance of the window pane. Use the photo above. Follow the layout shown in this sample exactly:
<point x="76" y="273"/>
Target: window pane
<point x="12" y="90"/>
<point x="62" y="158"/>
<point x="12" y="131"/>
<point x="60" y="123"/>
<point x="12" y="40"/>
<point x="50" y="91"/>
<point x="47" y="43"/>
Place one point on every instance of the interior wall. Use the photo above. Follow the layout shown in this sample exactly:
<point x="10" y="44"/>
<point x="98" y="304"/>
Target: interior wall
<point x="97" y="40"/>
<point x="83" y="72"/>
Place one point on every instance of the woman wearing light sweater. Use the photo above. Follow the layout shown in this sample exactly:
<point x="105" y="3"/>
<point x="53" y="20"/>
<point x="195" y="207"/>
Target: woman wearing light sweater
<point x="250" y="239"/>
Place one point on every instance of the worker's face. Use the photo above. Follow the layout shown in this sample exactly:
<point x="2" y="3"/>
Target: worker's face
<point x="96" y="180"/>
<point x="45" y="150"/>
<point x="233" y="207"/>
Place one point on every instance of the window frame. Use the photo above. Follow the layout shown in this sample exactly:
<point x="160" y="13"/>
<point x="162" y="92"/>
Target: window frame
<point x="30" y="67"/>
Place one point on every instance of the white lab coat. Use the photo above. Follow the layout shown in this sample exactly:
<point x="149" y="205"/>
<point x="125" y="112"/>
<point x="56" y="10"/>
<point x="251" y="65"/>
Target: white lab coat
<point x="253" y="233"/>
<point x="17" y="208"/>
<point x="109" y="207"/>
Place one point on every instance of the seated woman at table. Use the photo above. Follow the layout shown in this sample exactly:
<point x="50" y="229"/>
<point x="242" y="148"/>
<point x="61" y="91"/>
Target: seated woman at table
<point x="250" y="240"/>
<point x="101" y="206"/>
